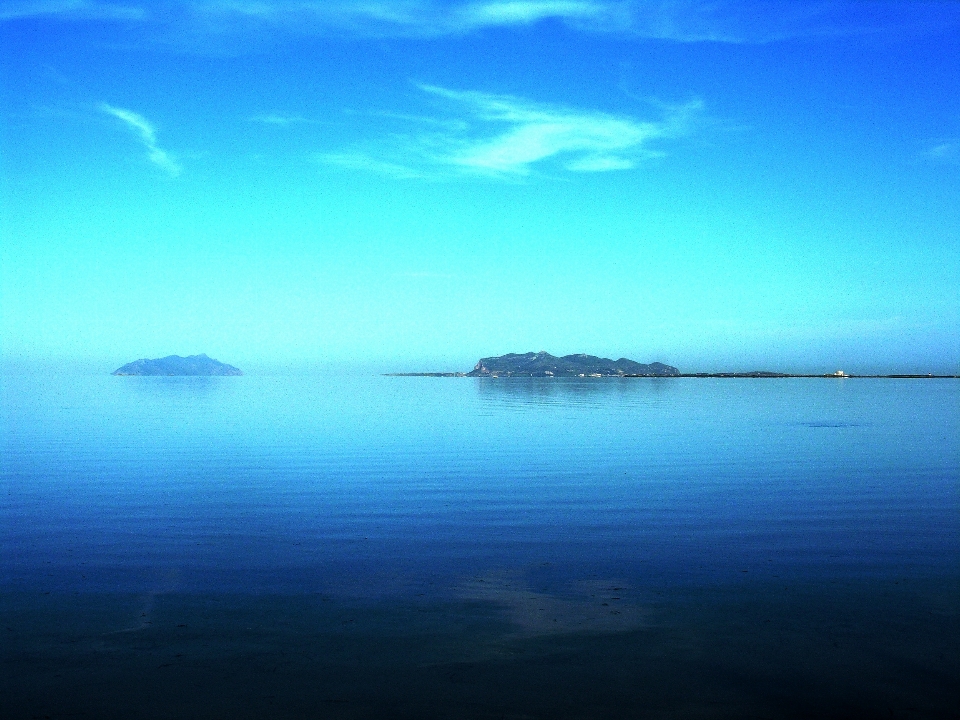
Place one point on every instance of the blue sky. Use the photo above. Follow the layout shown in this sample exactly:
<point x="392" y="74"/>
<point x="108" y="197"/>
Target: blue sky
<point x="719" y="186"/>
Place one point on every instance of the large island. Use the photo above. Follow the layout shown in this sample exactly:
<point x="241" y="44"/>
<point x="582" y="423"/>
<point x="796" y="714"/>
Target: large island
<point x="175" y="365"/>
<point x="543" y="364"/>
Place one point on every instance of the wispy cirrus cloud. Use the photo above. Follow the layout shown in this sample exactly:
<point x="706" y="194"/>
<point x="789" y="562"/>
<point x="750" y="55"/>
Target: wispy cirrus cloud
<point x="234" y="23"/>
<point x="279" y="119"/>
<point x="359" y="160"/>
<point x="148" y="136"/>
<point x="71" y="10"/>
<point x="688" y="21"/>
<point x="417" y="18"/>
<point x="504" y="136"/>
<point x="526" y="12"/>
<point x="945" y="150"/>
<point x="585" y="141"/>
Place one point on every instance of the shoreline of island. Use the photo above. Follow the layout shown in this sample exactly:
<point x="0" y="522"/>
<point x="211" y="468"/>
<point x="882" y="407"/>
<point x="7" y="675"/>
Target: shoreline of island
<point x="747" y="375"/>
<point x="543" y="364"/>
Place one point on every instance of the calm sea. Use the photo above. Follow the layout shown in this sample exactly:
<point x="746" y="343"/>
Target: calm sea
<point x="354" y="547"/>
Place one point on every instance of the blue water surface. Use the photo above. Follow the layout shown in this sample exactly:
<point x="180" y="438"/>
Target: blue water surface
<point x="394" y="486"/>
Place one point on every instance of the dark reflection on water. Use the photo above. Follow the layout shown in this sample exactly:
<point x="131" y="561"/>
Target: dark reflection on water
<point x="459" y="547"/>
<point x="151" y="387"/>
<point x="526" y="391"/>
<point x="858" y="650"/>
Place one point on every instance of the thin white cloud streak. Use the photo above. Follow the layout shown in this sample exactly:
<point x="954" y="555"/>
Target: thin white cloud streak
<point x="278" y="119"/>
<point x="71" y="10"/>
<point x="516" y="12"/>
<point x="148" y="136"/>
<point x="416" y="18"/>
<point x="945" y="151"/>
<point x="214" y="23"/>
<point x="502" y="136"/>
<point x="423" y="18"/>
<point x="685" y="21"/>
<point x="600" y="164"/>
<point x="362" y="161"/>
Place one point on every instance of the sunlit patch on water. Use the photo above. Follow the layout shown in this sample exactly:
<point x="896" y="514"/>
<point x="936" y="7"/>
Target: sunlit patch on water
<point x="597" y="607"/>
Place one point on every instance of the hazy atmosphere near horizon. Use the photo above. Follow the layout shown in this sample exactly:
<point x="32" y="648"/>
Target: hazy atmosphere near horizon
<point x="413" y="185"/>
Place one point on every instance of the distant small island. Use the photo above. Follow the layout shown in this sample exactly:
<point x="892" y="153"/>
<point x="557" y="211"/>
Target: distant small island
<point x="175" y="365"/>
<point x="543" y="364"/>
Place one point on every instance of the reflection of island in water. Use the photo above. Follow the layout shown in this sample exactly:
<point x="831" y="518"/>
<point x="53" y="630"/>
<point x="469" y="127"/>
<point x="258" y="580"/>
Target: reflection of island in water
<point x="176" y="386"/>
<point x="565" y="390"/>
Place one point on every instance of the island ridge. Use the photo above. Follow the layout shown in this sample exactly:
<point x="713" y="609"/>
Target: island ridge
<point x="175" y="365"/>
